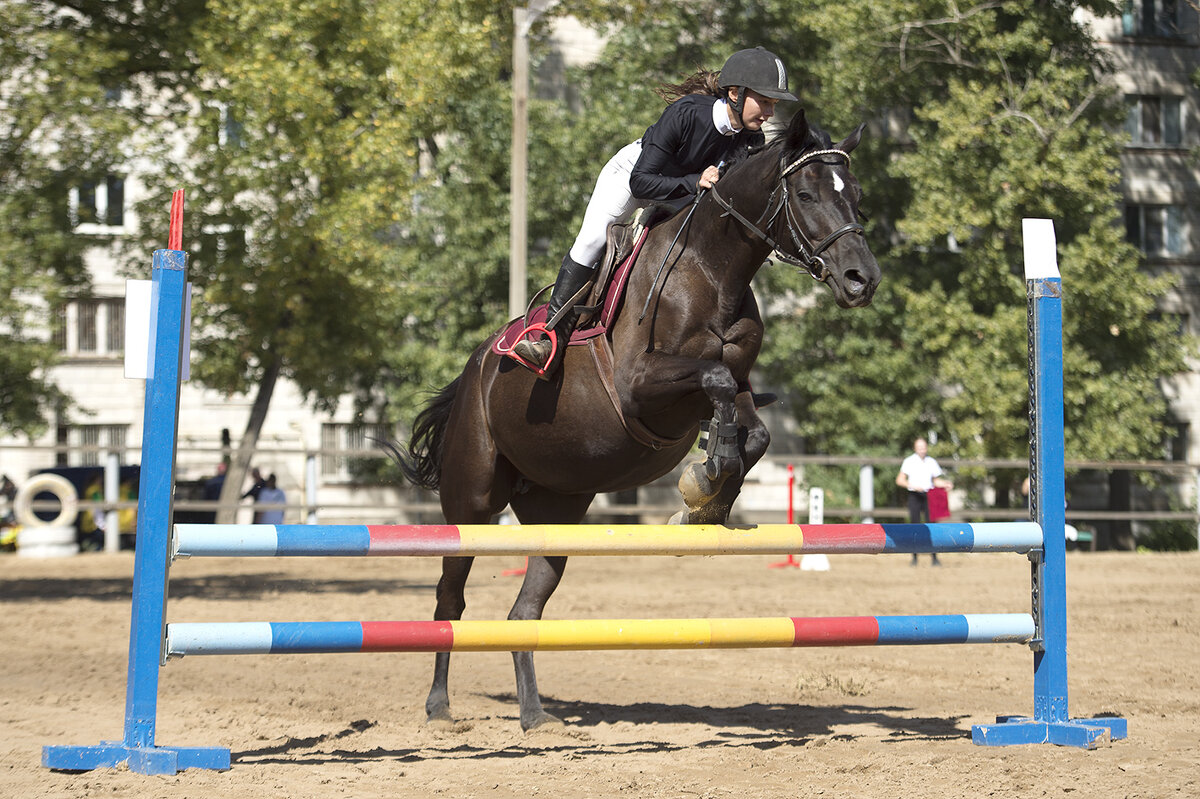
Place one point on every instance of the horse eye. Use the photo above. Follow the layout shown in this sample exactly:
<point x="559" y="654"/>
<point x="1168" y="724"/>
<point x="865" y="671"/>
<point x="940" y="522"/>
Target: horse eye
<point x="805" y="197"/>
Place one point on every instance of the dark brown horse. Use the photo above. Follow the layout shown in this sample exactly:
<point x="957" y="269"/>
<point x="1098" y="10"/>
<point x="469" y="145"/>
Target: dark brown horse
<point x="499" y="436"/>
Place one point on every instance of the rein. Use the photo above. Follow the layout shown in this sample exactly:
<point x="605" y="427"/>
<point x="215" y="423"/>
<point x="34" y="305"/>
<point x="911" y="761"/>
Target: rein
<point x="809" y="255"/>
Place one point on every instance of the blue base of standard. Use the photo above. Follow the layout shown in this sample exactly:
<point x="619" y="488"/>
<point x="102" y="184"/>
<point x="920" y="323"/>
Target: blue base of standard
<point x="141" y="760"/>
<point x="1083" y="733"/>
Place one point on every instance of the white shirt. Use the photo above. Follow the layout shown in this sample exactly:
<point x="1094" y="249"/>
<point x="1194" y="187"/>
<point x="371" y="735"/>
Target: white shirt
<point x="920" y="471"/>
<point x="721" y="118"/>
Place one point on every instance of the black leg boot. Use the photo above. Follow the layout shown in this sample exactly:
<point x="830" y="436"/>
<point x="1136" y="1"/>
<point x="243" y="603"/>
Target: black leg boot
<point x="572" y="277"/>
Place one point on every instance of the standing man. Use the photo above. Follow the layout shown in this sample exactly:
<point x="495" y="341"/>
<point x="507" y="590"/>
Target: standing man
<point x="919" y="473"/>
<point x="270" y="494"/>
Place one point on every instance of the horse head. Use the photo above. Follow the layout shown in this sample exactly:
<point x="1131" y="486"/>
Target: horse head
<point x="818" y="209"/>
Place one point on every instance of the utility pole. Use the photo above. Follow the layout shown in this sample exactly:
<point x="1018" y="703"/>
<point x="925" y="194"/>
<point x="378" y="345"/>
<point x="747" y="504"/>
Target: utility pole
<point x="518" y="228"/>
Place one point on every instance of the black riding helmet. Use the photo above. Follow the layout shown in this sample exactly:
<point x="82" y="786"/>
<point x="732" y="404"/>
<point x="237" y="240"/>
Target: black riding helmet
<point x="759" y="70"/>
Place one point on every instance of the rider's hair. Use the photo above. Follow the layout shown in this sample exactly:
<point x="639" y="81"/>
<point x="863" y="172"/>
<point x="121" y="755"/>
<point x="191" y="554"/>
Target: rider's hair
<point x="702" y="81"/>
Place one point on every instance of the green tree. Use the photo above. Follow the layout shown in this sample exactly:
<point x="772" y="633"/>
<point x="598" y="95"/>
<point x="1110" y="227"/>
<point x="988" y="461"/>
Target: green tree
<point x="71" y="82"/>
<point x="303" y="163"/>
<point x="460" y="243"/>
<point x="1004" y="116"/>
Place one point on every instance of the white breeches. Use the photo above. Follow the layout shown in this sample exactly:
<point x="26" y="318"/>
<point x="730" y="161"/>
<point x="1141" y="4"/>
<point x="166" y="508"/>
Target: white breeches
<point x="611" y="201"/>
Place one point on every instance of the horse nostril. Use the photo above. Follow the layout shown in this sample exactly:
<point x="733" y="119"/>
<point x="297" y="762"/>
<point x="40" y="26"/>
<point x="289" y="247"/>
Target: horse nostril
<point x="854" y="281"/>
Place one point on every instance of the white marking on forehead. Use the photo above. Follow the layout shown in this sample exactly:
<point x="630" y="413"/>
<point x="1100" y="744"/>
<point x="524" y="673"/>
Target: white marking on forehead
<point x="838" y="184"/>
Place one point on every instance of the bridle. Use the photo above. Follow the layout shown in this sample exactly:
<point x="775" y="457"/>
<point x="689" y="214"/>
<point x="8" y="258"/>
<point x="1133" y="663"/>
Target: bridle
<point x="809" y="255"/>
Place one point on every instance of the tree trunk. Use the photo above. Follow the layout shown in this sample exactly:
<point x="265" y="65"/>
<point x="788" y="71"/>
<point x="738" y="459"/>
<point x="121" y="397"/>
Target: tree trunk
<point x="231" y="491"/>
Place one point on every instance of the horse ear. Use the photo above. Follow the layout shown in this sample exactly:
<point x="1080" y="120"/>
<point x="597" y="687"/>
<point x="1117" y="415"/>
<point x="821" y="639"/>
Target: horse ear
<point x="797" y="132"/>
<point x="850" y="142"/>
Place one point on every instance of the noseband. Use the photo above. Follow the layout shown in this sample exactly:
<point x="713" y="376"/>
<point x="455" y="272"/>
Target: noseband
<point x="809" y="255"/>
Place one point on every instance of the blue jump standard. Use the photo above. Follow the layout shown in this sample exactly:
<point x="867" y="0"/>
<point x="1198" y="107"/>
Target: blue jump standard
<point x="140" y="759"/>
<point x="1051" y="722"/>
<point x="1081" y="733"/>
<point x="159" y="426"/>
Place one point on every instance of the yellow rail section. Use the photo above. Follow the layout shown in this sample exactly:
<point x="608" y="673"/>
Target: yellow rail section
<point x="634" y="539"/>
<point x="579" y="635"/>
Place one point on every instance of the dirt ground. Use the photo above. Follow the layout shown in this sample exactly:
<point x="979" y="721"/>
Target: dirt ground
<point x="848" y="722"/>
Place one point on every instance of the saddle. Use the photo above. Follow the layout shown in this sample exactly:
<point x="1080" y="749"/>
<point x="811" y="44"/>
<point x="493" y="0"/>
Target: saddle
<point x="624" y="243"/>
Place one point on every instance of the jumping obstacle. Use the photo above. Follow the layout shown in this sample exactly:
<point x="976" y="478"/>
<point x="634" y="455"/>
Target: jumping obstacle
<point x="443" y="540"/>
<point x="152" y="641"/>
<point x="542" y="635"/>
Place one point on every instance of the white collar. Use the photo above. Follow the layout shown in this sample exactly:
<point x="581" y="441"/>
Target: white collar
<point x="721" y="118"/>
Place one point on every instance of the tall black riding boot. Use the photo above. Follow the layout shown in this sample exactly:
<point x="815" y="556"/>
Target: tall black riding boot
<point x="572" y="277"/>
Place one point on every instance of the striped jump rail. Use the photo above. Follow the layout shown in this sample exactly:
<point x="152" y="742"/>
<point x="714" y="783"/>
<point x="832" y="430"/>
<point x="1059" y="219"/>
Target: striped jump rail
<point x="284" y="540"/>
<point x="276" y="638"/>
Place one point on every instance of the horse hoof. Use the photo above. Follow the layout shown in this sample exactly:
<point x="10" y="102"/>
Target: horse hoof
<point x="680" y="517"/>
<point x="763" y="400"/>
<point x="441" y="714"/>
<point x="544" y="721"/>
<point x="695" y="487"/>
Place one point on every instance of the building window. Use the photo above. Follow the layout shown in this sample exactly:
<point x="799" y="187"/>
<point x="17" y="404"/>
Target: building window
<point x="341" y="437"/>
<point x="89" y="327"/>
<point x="58" y="328"/>
<point x="1154" y="121"/>
<point x="230" y="128"/>
<point x="86" y="341"/>
<point x="115" y="326"/>
<point x="1177" y="439"/>
<point x="1157" y="230"/>
<point x="1158" y="18"/>
<point x="220" y="244"/>
<point x="98" y="203"/>
<point x="87" y="443"/>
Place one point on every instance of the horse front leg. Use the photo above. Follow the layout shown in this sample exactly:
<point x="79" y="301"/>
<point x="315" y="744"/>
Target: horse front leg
<point x="451" y="602"/>
<point x="661" y="379"/>
<point x="703" y="482"/>
<point x="748" y="441"/>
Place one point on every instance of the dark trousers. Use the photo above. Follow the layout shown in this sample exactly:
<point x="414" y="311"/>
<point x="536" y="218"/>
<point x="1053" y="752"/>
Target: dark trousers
<point x="918" y="507"/>
<point x="918" y="513"/>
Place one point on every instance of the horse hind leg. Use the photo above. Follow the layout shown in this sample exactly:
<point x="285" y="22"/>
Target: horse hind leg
<point x="451" y="602"/>
<point x="480" y="489"/>
<point x="542" y="576"/>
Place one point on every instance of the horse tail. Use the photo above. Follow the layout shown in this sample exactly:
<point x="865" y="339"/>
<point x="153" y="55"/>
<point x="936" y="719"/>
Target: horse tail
<point x="421" y="460"/>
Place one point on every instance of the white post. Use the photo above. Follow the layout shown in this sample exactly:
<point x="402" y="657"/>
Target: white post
<point x="518" y="233"/>
<point x="816" y="515"/>
<point x="517" y="230"/>
<point x="866" y="492"/>
<point x="310" y="487"/>
<point x="112" y="495"/>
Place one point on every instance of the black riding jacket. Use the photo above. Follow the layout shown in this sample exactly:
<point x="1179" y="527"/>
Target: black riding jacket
<point x="680" y="145"/>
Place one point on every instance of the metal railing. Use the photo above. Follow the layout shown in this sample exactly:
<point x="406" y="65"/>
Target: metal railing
<point x="338" y="500"/>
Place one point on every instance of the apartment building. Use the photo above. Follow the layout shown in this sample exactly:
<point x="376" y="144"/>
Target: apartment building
<point x="1155" y="46"/>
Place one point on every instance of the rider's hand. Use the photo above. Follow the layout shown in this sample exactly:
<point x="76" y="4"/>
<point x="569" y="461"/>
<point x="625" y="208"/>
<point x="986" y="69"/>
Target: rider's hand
<point x="708" y="177"/>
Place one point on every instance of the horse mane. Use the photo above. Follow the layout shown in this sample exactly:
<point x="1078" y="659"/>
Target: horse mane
<point x="810" y="138"/>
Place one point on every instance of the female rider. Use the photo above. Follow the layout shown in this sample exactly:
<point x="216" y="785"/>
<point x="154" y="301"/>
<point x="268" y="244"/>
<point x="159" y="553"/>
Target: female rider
<point x="710" y="117"/>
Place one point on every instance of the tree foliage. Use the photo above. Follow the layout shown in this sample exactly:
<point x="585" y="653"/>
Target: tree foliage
<point x="980" y="115"/>
<point x="1006" y="115"/>
<point x="347" y="174"/>
<point x="303" y="154"/>
<point x="62" y="122"/>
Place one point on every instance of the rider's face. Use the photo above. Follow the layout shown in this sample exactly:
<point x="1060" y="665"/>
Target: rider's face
<point x="755" y="111"/>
